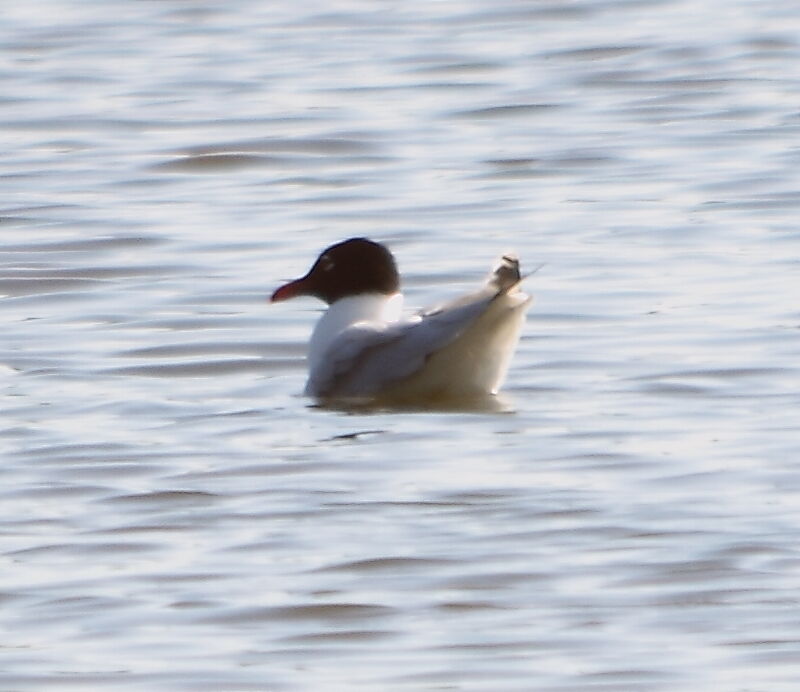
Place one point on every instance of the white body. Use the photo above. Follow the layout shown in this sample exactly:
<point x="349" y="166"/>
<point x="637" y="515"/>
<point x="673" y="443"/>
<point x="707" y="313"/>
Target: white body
<point x="372" y="307"/>
<point x="360" y="347"/>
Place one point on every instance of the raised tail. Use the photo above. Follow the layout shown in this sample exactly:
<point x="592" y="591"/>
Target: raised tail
<point x="506" y="275"/>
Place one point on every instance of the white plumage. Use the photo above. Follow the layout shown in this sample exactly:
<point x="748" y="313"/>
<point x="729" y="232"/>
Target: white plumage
<point x="361" y="348"/>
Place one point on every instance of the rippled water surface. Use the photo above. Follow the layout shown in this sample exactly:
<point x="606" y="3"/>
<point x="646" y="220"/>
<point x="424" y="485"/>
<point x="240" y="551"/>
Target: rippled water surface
<point x="175" y="516"/>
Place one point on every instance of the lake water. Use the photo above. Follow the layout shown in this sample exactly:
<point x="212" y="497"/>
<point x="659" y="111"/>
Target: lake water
<point x="175" y="516"/>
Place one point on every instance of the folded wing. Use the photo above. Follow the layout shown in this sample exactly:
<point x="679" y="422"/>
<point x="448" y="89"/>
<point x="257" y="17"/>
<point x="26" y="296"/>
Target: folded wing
<point x="366" y="358"/>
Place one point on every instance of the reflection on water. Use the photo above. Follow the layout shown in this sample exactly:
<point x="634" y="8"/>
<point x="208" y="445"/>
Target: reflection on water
<point x="477" y="404"/>
<point x="176" y="516"/>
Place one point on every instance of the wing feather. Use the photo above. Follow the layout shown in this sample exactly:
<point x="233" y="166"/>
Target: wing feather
<point x="367" y="357"/>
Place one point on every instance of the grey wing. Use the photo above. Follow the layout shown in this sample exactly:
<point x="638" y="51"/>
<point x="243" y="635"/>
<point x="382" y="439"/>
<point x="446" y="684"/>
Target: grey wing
<point x="364" y="359"/>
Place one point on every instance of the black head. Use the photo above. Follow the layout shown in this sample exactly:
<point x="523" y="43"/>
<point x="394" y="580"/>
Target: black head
<point x="349" y="268"/>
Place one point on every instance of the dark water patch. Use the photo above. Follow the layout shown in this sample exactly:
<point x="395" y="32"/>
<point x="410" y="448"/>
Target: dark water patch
<point x="488" y="404"/>
<point x="766" y="642"/>
<point x="569" y="317"/>
<point x="507" y="111"/>
<point x="256" y="470"/>
<point x="709" y="597"/>
<point x="439" y="65"/>
<point x="195" y="323"/>
<point x="87" y="273"/>
<point x="656" y="114"/>
<point x="68" y="679"/>
<point x="123" y="548"/>
<point x="581" y="159"/>
<point x="412" y="505"/>
<point x="641" y="81"/>
<point x="213" y="163"/>
<point x="468" y="674"/>
<point x="441" y="85"/>
<point x="191" y="605"/>
<point x="481" y="498"/>
<point x="515" y="162"/>
<point x="32" y="527"/>
<point x="769" y="202"/>
<point x="467" y="606"/>
<point x="515" y="15"/>
<point x="9" y="597"/>
<point x="392" y="565"/>
<point x="693" y="479"/>
<point x="57" y="491"/>
<point x="711" y="381"/>
<point x="257" y="298"/>
<point x="86" y="245"/>
<point x="166" y="499"/>
<point x="19" y="431"/>
<point x="701" y="571"/>
<point x="750" y="550"/>
<point x="208" y="368"/>
<point x="77" y="124"/>
<point x="105" y="469"/>
<point x="318" y="146"/>
<point x="593" y="53"/>
<point x="625" y="676"/>
<point x="519" y="173"/>
<point x="70" y="453"/>
<point x="511" y="647"/>
<point x="316" y="182"/>
<point x="341" y="637"/>
<point x="776" y="41"/>
<point x="353" y="436"/>
<point x="84" y="549"/>
<point x="187" y="577"/>
<point x="480" y="580"/>
<point x="521" y="168"/>
<point x="192" y="349"/>
<point x="678" y="389"/>
<point x="146" y="529"/>
<point x="741" y="184"/>
<point x="13" y="222"/>
<point x="44" y="286"/>
<point x="322" y="612"/>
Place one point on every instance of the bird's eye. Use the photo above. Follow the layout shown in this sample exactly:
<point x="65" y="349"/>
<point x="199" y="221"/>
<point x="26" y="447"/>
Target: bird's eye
<point x="326" y="263"/>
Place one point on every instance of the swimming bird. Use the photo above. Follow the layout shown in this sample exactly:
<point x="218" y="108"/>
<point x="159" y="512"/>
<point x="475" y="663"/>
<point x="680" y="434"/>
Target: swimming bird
<point x="361" y="347"/>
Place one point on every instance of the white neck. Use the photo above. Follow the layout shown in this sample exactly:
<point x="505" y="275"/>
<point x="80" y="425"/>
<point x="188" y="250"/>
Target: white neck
<point x="345" y="312"/>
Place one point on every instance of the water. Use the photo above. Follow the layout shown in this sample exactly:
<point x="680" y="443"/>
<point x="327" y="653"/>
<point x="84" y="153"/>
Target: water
<point x="175" y="516"/>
